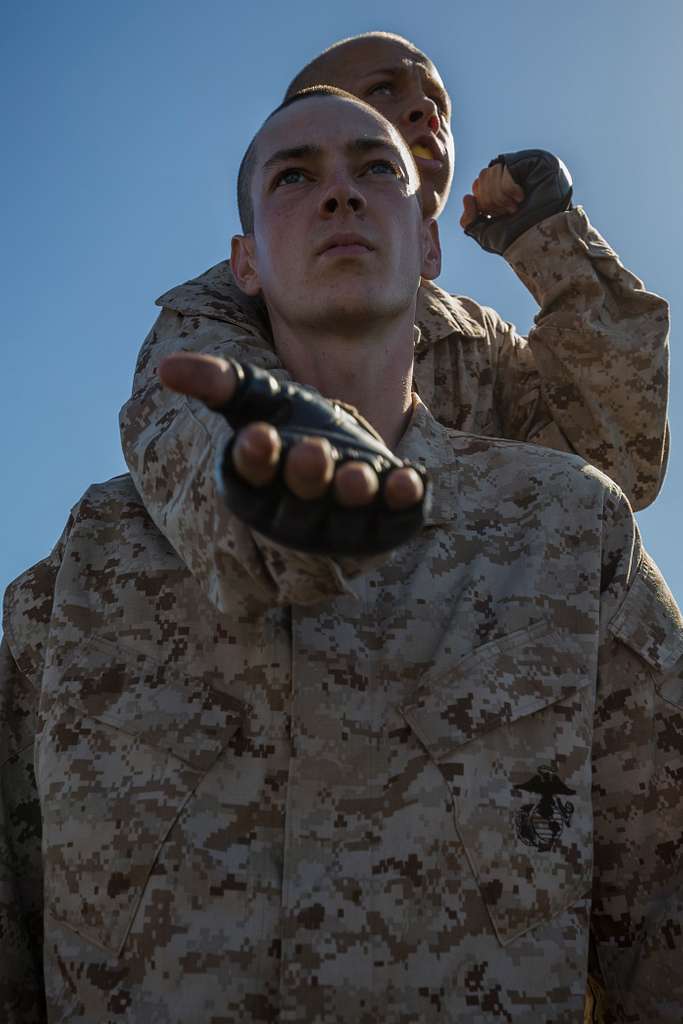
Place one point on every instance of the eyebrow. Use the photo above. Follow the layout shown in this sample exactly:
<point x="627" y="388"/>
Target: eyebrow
<point x="362" y="145"/>
<point x="400" y="69"/>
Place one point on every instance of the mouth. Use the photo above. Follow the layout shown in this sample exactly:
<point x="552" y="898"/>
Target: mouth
<point x="427" y="153"/>
<point x="345" y="245"/>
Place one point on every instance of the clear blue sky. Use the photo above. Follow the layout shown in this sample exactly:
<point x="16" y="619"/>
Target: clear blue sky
<point x="124" y="128"/>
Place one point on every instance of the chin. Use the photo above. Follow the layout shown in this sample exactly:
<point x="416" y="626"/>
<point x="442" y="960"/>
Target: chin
<point x="433" y="202"/>
<point x="356" y="314"/>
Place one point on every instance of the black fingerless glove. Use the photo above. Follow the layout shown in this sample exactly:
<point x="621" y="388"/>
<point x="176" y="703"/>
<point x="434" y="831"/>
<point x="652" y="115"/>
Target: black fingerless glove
<point x="547" y="188"/>
<point x="319" y="526"/>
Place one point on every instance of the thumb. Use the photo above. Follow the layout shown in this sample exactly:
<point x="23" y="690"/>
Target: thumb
<point x="208" y="378"/>
<point x="470" y="211"/>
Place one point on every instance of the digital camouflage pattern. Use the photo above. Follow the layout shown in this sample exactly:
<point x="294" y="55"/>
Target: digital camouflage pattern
<point x="411" y="792"/>
<point x="591" y="378"/>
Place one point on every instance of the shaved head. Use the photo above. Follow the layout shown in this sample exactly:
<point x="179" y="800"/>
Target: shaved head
<point x="245" y="204"/>
<point x="403" y="84"/>
<point x="328" y="65"/>
<point x="400" y="82"/>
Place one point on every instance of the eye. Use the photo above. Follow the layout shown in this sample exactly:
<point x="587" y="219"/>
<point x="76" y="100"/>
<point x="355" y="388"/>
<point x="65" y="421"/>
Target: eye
<point x="381" y="89"/>
<point x="441" y="106"/>
<point x="291" y="176"/>
<point x="384" y="167"/>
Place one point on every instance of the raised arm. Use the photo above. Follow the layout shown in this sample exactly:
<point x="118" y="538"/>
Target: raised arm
<point x="592" y="376"/>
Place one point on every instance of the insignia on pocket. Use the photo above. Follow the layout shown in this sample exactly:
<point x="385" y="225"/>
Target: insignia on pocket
<point x="541" y="822"/>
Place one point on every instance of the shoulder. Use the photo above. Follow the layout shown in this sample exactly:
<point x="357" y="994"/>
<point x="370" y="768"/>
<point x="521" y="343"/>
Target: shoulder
<point x="440" y="315"/>
<point x="111" y="518"/>
<point x="506" y="463"/>
<point x="215" y="294"/>
<point x="108" y="500"/>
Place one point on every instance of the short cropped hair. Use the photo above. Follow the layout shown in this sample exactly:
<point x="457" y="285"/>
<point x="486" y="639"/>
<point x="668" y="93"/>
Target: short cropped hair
<point x="245" y="174"/>
<point x="310" y="75"/>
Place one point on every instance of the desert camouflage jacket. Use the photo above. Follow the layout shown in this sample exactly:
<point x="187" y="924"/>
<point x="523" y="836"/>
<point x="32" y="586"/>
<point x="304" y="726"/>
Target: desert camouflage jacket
<point x="591" y="378"/>
<point x="427" y="790"/>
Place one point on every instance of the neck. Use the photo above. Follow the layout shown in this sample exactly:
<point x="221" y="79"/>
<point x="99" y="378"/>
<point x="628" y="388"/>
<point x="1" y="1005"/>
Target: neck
<point x="371" y="370"/>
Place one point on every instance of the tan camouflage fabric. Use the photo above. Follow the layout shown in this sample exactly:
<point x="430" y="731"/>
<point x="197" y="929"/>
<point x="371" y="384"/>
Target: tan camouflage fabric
<point x="412" y="792"/>
<point x="591" y="378"/>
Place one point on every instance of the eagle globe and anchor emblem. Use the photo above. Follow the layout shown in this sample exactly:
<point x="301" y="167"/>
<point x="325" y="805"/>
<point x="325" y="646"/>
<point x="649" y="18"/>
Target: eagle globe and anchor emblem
<point x="541" y="822"/>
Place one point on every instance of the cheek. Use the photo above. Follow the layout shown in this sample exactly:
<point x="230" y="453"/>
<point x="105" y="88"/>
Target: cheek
<point x="389" y="108"/>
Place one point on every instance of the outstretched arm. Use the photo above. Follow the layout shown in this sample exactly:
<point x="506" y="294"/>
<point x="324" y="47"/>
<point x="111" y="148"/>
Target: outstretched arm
<point x="176" y="440"/>
<point x="303" y="471"/>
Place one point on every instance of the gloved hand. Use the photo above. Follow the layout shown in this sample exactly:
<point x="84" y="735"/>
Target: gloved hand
<point x="320" y="525"/>
<point x="547" y="187"/>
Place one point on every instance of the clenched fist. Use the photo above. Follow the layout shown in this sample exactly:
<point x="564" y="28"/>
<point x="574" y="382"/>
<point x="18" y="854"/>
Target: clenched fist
<point x="494" y="192"/>
<point x="516" y="191"/>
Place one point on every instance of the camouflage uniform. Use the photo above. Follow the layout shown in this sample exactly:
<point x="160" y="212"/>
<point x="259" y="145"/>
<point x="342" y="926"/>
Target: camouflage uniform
<point x="592" y="378"/>
<point x="336" y="793"/>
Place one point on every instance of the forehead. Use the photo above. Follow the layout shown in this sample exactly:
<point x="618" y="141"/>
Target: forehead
<point x="364" y="57"/>
<point x="329" y="122"/>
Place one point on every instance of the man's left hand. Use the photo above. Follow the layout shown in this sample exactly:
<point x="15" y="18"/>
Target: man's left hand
<point x="515" y="192"/>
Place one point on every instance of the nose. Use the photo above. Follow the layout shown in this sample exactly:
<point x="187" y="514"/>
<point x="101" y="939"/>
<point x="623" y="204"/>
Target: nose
<point x="342" y="196"/>
<point x="422" y="108"/>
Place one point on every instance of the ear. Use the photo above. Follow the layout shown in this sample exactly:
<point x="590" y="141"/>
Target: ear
<point x="431" y="249"/>
<point x="243" y="263"/>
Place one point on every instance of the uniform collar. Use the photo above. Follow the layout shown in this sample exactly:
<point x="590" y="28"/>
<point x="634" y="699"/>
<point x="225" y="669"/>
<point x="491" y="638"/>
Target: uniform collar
<point x="439" y="315"/>
<point x="215" y="294"/>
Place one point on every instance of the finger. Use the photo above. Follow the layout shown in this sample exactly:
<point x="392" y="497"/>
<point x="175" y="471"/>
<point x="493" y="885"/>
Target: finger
<point x="470" y="211"/>
<point x="208" y="378"/>
<point x="309" y="468"/>
<point x="490" y="195"/>
<point x="510" y="187"/>
<point x="256" y="453"/>
<point x="403" y="488"/>
<point x="355" y="484"/>
<point x="482" y="186"/>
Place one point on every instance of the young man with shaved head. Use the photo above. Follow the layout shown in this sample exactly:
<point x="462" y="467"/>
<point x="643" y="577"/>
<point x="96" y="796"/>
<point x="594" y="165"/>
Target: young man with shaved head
<point x="417" y="756"/>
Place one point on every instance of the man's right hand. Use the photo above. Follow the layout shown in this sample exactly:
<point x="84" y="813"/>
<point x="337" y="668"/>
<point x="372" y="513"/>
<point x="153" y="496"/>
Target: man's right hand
<point x="331" y="504"/>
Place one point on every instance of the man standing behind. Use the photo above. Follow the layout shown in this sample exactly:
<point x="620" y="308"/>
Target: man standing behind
<point x="409" y="790"/>
<point x="592" y="377"/>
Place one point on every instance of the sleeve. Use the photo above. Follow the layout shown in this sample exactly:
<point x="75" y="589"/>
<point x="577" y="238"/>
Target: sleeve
<point x="27" y="609"/>
<point x="171" y="445"/>
<point x="637" y="915"/>
<point x="22" y="997"/>
<point x="592" y="376"/>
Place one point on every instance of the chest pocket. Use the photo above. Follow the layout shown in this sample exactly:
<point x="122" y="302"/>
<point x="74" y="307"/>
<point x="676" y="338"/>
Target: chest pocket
<point x="510" y="729"/>
<point x="123" y="748"/>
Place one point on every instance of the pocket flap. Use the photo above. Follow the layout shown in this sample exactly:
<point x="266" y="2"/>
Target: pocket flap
<point x="184" y="715"/>
<point x="494" y="685"/>
<point x="510" y="729"/>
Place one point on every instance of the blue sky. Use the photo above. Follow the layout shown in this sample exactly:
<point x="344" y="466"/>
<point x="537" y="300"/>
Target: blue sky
<point x="124" y="127"/>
